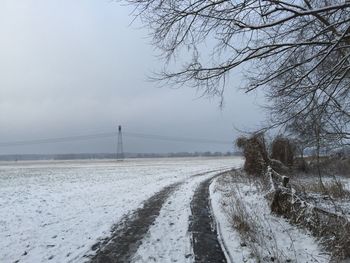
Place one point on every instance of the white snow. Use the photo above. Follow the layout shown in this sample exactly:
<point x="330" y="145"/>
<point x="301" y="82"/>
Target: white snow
<point x="286" y="241"/>
<point x="56" y="210"/>
<point x="347" y="184"/>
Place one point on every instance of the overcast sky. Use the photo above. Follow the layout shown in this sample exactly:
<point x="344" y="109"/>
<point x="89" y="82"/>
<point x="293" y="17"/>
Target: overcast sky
<point x="75" y="67"/>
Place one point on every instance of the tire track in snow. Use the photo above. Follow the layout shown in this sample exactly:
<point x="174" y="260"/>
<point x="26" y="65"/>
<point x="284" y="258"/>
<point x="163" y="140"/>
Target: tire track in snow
<point x="127" y="235"/>
<point x="168" y="239"/>
<point x="206" y="246"/>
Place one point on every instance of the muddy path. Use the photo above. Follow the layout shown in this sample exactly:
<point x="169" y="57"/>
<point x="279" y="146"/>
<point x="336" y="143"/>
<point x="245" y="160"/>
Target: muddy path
<point x="126" y="236"/>
<point x="206" y="246"/>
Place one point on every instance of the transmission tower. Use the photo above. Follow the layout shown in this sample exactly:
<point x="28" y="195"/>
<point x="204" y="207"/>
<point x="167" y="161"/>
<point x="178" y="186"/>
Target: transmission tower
<point x="120" y="152"/>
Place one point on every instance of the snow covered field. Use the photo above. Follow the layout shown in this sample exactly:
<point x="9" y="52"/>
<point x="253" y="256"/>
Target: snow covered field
<point x="56" y="210"/>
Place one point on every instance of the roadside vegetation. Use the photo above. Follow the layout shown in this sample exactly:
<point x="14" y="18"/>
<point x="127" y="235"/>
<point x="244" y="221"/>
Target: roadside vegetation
<point x="312" y="192"/>
<point x="267" y="236"/>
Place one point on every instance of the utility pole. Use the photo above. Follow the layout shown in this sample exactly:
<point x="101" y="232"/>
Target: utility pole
<point x="120" y="152"/>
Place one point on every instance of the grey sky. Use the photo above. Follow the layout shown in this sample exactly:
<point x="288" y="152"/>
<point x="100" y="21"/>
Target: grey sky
<point x="72" y="67"/>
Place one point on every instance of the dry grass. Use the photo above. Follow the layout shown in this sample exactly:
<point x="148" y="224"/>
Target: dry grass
<point x="240" y="218"/>
<point x="254" y="231"/>
<point x="336" y="189"/>
<point x="329" y="165"/>
<point x="321" y="210"/>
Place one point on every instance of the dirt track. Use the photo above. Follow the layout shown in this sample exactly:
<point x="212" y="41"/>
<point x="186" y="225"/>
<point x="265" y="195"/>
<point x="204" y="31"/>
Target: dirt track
<point x="127" y="235"/>
<point x="206" y="246"/>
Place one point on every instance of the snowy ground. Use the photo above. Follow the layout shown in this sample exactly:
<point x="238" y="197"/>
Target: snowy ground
<point x="57" y="210"/>
<point x="168" y="240"/>
<point x="273" y="237"/>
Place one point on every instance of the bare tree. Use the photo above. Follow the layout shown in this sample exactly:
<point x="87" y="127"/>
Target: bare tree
<point x="297" y="50"/>
<point x="314" y="127"/>
<point x="321" y="98"/>
<point x="283" y="149"/>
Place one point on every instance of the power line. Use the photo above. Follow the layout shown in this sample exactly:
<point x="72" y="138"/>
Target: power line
<point x="176" y="139"/>
<point x="59" y="139"/>
<point x="112" y="134"/>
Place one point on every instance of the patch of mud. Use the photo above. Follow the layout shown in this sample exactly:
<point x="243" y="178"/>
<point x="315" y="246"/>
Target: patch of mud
<point x="127" y="234"/>
<point x="206" y="246"/>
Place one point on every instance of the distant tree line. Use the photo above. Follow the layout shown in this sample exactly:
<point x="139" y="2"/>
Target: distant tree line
<point x="82" y="156"/>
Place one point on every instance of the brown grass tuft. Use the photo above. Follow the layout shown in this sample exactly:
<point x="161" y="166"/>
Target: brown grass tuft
<point x="335" y="189"/>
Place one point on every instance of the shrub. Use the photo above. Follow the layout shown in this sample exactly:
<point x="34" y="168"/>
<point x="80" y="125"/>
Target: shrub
<point x="255" y="153"/>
